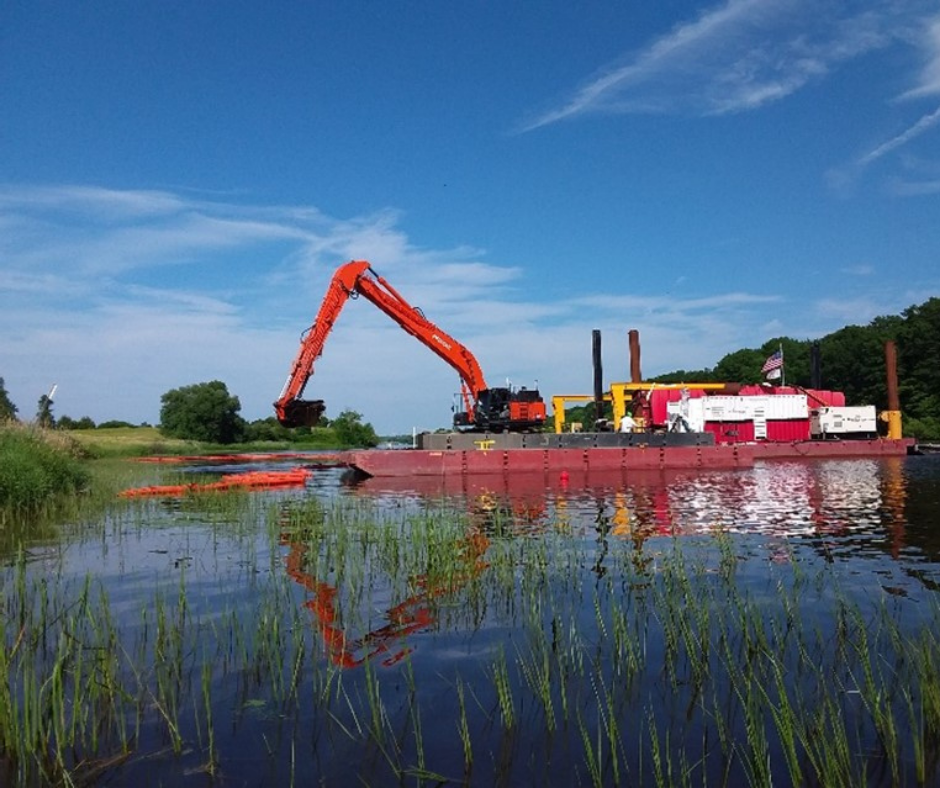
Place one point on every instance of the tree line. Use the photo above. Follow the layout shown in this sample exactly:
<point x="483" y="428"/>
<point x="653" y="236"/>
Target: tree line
<point x="207" y="412"/>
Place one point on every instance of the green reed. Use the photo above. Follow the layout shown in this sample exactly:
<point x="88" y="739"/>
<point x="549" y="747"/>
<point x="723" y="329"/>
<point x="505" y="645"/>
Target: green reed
<point x="660" y="662"/>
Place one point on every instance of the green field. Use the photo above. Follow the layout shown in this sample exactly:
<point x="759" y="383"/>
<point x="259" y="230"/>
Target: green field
<point x="132" y="441"/>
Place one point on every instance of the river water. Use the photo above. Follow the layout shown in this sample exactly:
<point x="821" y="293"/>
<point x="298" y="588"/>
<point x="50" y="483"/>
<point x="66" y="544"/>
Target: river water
<point x="591" y="632"/>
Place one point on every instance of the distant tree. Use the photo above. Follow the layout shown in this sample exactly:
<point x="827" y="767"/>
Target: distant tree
<point x="686" y="376"/>
<point x="351" y="431"/>
<point x="585" y="415"/>
<point x="67" y="423"/>
<point x="741" y="366"/>
<point x="919" y="362"/>
<point x="114" y="424"/>
<point x="7" y="408"/>
<point x="203" y="412"/>
<point x="44" y="417"/>
<point x="269" y="430"/>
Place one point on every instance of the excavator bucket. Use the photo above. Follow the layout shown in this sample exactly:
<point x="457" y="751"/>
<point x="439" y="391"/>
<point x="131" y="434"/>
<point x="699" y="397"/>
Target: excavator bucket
<point x="302" y="413"/>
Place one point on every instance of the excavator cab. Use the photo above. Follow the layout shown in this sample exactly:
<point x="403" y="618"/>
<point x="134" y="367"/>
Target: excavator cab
<point x="502" y="409"/>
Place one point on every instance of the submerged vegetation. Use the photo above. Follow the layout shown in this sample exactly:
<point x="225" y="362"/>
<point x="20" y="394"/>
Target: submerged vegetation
<point x="354" y="644"/>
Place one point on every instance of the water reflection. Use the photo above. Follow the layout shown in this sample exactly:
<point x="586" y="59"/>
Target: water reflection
<point x="387" y="642"/>
<point x="840" y="509"/>
<point x="784" y="499"/>
<point x="558" y="611"/>
<point x="844" y="508"/>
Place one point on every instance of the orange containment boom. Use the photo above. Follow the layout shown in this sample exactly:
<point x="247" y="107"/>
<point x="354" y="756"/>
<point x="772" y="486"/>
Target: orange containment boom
<point x="256" y="480"/>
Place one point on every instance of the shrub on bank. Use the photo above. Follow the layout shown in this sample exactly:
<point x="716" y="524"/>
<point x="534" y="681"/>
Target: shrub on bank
<point x="36" y="465"/>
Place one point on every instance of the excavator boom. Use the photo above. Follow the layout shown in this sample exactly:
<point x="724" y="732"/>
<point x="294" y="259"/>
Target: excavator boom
<point x="485" y="408"/>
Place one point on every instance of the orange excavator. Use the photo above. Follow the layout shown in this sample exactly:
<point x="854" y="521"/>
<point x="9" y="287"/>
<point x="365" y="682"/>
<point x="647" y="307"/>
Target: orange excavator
<point x="484" y="408"/>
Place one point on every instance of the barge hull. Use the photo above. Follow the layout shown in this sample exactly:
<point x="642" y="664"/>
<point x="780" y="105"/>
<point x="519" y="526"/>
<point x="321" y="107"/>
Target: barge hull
<point x="429" y="462"/>
<point x="486" y="458"/>
<point x="834" y="449"/>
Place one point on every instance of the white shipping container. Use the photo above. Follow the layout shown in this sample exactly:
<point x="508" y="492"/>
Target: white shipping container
<point x="723" y="408"/>
<point x="776" y="407"/>
<point x="843" y="421"/>
<point x="780" y="407"/>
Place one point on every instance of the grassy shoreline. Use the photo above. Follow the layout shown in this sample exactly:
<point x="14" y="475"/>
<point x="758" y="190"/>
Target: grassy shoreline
<point x="37" y="466"/>
<point x="148" y="441"/>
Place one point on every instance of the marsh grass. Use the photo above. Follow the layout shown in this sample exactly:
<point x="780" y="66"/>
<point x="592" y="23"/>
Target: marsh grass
<point x="37" y="466"/>
<point x="116" y="442"/>
<point x="573" y="661"/>
<point x="126" y="442"/>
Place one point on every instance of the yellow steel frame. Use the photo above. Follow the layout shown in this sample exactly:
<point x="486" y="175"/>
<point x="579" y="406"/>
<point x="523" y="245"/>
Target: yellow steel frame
<point x="620" y="394"/>
<point x="559" y="401"/>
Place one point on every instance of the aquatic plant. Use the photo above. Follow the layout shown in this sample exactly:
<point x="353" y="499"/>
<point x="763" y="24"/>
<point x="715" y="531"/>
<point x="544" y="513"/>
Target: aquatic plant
<point x="342" y="640"/>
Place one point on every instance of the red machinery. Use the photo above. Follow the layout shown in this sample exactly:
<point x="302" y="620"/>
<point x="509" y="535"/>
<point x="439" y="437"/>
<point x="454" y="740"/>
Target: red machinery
<point x="485" y="408"/>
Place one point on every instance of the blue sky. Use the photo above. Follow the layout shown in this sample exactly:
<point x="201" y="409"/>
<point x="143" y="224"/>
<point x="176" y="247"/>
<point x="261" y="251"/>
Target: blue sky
<point x="178" y="181"/>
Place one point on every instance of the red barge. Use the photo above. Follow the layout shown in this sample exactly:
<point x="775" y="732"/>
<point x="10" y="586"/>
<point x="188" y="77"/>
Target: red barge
<point x="493" y="456"/>
<point x="679" y="426"/>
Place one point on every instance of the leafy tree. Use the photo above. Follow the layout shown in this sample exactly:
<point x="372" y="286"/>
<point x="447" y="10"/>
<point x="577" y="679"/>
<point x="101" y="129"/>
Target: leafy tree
<point x="44" y="417"/>
<point x="269" y="429"/>
<point x="852" y="360"/>
<point x="586" y="415"/>
<point x="919" y="361"/>
<point x="741" y="366"/>
<point x="350" y="430"/>
<point x="84" y="423"/>
<point x="114" y="423"/>
<point x="7" y="408"/>
<point x="203" y="412"/>
<point x="686" y="376"/>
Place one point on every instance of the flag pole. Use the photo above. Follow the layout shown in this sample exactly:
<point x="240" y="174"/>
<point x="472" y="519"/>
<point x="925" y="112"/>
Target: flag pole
<point x="783" y="368"/>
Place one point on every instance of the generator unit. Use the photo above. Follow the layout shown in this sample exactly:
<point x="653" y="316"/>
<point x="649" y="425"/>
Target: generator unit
<point x="845" y="422"/>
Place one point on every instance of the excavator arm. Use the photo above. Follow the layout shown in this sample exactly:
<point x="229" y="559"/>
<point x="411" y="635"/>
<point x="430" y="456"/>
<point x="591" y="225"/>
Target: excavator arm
<point x="351" y="280"/>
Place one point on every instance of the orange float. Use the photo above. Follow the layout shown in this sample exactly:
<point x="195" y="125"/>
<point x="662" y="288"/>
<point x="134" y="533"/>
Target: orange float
<point x="256" y="480"/>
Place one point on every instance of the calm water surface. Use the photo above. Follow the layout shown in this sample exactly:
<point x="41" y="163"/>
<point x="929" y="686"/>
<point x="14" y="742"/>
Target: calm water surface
<point x="595" y="630"/>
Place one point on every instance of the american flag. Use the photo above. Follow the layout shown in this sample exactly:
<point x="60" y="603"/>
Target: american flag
<point x="774" y="361"/>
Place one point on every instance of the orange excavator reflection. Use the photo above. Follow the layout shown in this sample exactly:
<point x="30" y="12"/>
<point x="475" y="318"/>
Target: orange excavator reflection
<point x="490" y="515"/>
<point x="414" y="614"/>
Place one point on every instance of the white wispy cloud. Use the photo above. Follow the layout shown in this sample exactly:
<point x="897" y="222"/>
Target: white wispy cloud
<point x="116" y="335"/>
<point x="924" y="124"/>
<point x="924" y="33"/>
<point x="863" y="269"/>
<point x="734" y="57"/>
<point x="928" y="83"/>
<point x="904" y="188"/>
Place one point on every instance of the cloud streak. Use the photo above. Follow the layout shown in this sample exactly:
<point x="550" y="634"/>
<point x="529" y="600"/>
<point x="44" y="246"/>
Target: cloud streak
<point x="928" y="83"/>
<point x="925" y="123"/>
<point x="735" y="57"/>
